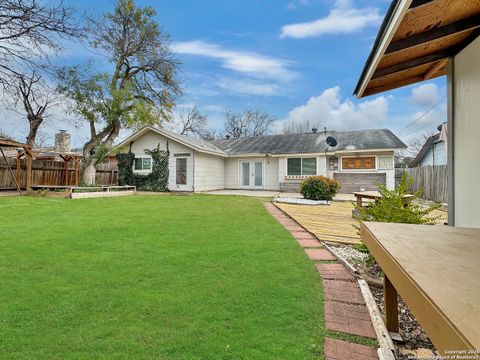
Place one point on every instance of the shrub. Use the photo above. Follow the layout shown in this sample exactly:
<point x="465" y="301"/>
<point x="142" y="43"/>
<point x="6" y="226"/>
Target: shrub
<point x="392" y="207"/>
<point x="319" y="188"/>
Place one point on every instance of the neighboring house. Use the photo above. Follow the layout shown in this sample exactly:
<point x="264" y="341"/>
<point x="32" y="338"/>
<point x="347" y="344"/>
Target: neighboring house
<point x="433" y="152"/>
<point x="360" y="160"/>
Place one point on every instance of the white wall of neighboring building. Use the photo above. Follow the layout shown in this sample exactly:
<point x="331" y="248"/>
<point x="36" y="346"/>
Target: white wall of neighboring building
<point x="209" y="172"/>
<point x="466" y="133"/>
<point x="437" y="155"/>
<point x="150" y="141"/>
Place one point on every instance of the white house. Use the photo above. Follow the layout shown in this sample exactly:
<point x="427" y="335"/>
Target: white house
<point x="360" y="160"/>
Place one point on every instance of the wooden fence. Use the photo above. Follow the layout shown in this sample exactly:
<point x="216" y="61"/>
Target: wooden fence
<point x="432" y="179"/>
<point x="51" y="173"/>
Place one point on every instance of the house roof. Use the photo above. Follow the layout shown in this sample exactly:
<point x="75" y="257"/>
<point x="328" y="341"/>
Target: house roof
<point x="311" y="142"/>
<point x="415" y="41"/>
<point x="196" y="144"/>
<point x="424" y="150"/>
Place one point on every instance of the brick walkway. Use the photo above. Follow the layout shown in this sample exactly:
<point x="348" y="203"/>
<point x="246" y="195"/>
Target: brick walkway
<point x="345" y="309"/>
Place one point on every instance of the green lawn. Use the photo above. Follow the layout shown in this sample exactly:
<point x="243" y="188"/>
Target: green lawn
<point x="160" y="277"/>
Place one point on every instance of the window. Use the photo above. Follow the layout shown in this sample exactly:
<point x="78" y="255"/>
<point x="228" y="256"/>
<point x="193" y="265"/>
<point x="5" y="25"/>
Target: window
<point x="358" y="163"/>
<point x="385" y="162"/>
<point x="143" y="163"/>
<point x="301" y="166"/>
<point x="181" y="171"/>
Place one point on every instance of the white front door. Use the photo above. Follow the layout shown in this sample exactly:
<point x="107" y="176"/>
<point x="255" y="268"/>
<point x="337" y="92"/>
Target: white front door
<point x="251" y="174"/>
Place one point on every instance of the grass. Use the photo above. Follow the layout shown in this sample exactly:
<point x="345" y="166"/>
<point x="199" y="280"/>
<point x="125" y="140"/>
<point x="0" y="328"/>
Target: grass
<point x="154" y="277"/>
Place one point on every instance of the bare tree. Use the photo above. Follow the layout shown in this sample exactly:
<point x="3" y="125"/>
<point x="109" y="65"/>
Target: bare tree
<point x="35" y="98"/>
<point x="299" y="127"/>
<point x="29" y="31"/>
<point x="415" y="144"/>
<point x="248" y="123"/>
<point x="192" y="122"/>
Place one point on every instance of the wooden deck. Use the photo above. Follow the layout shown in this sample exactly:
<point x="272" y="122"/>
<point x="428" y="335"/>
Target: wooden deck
<point x="334" y="222"/>
<point x="435" y="270"/>
<point x="329" y="223"/>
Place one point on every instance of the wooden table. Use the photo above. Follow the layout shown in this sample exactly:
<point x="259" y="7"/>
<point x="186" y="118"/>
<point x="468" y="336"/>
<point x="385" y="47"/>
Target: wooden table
<point x="375" y="195"/>
<point x="436" y="270"/>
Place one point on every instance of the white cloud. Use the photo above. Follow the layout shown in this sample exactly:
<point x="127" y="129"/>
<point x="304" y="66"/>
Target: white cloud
<point x="251" y="87"/>
<point x="426" y="95"/>
<point x="335" y="113"/>
<point x="248" y="63"/>
<point x="342" y="19"/>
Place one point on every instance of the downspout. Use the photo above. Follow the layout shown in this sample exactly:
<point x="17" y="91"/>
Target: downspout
<point x="451" y="141"/>
<point x="194" y="171"/>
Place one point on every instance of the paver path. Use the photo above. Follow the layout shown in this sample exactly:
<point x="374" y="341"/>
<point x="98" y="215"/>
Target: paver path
<point x="345" y="309"/>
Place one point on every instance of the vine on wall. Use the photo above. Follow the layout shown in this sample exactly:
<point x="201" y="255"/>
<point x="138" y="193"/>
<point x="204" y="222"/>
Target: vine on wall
<point x="157" y="180"/>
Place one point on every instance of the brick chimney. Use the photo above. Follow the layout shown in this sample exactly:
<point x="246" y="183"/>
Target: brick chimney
<point x="62" y="143"/>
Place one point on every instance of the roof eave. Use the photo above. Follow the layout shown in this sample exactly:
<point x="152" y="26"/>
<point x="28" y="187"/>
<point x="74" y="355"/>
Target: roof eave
<point x="143" y="130"/>
<point x="391" y="22"/>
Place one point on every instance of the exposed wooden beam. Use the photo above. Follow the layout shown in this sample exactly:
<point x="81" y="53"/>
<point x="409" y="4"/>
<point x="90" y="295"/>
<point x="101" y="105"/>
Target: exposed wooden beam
<point x="412" y="63"/>
<point x="394" y="85"/>
<point x="12" y="143"/>
<point x="435" y="33"/>
<point x="435" y="69"/>
<point x="416" y="3"/>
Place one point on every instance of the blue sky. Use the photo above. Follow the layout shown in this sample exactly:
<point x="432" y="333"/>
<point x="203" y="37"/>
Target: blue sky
<point x="295" y="59"/>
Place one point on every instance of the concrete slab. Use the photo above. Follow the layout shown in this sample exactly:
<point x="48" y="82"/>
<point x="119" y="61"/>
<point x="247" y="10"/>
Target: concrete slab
<point x="256" y="193"/>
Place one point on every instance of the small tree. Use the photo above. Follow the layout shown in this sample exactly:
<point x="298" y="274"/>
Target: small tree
<point x="393" y="207"/>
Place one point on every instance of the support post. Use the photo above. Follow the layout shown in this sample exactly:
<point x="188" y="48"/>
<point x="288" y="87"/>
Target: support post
<point x="391" y="305"/>
<point x="359" y="201"/>
<point x="76" y="171"/>
<point x="28" y="182"/>
<point x="19" y="169"/>
<point x="66" y="171"/>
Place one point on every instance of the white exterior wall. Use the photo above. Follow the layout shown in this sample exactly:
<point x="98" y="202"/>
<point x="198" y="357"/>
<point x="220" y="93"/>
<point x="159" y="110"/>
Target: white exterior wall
<point x="209" y="172"/>
<point x="436" y="155"/>
<point x="271" y="174"/>
<point x="466" y="131"/>
<point x="150" y="141"/>
<point x="231" y="173"/>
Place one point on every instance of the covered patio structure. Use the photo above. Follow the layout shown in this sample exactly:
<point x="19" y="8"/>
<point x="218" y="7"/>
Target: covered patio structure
<point x="24" y="150"/>
<point x="435" y="269"/>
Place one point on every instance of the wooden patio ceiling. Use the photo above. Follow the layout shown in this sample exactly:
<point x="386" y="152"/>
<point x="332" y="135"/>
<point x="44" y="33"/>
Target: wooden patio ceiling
<point x="416" y="40"/>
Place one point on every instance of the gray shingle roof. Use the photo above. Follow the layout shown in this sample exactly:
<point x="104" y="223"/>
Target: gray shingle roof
<point x="311" y="143"/>
<point x="196" y="143"/>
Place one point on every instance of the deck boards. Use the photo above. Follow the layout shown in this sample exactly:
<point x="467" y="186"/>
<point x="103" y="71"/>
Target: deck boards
<point x="435" y="270"/>
<point x="329" y="223"/>
<point x="334" y="222"/>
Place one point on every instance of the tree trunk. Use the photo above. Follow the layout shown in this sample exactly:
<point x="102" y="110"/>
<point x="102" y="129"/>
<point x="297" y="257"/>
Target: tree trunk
<point x="35" y="123"/>
<point x="88" y="174"/>
<point x="88" y="169"/>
